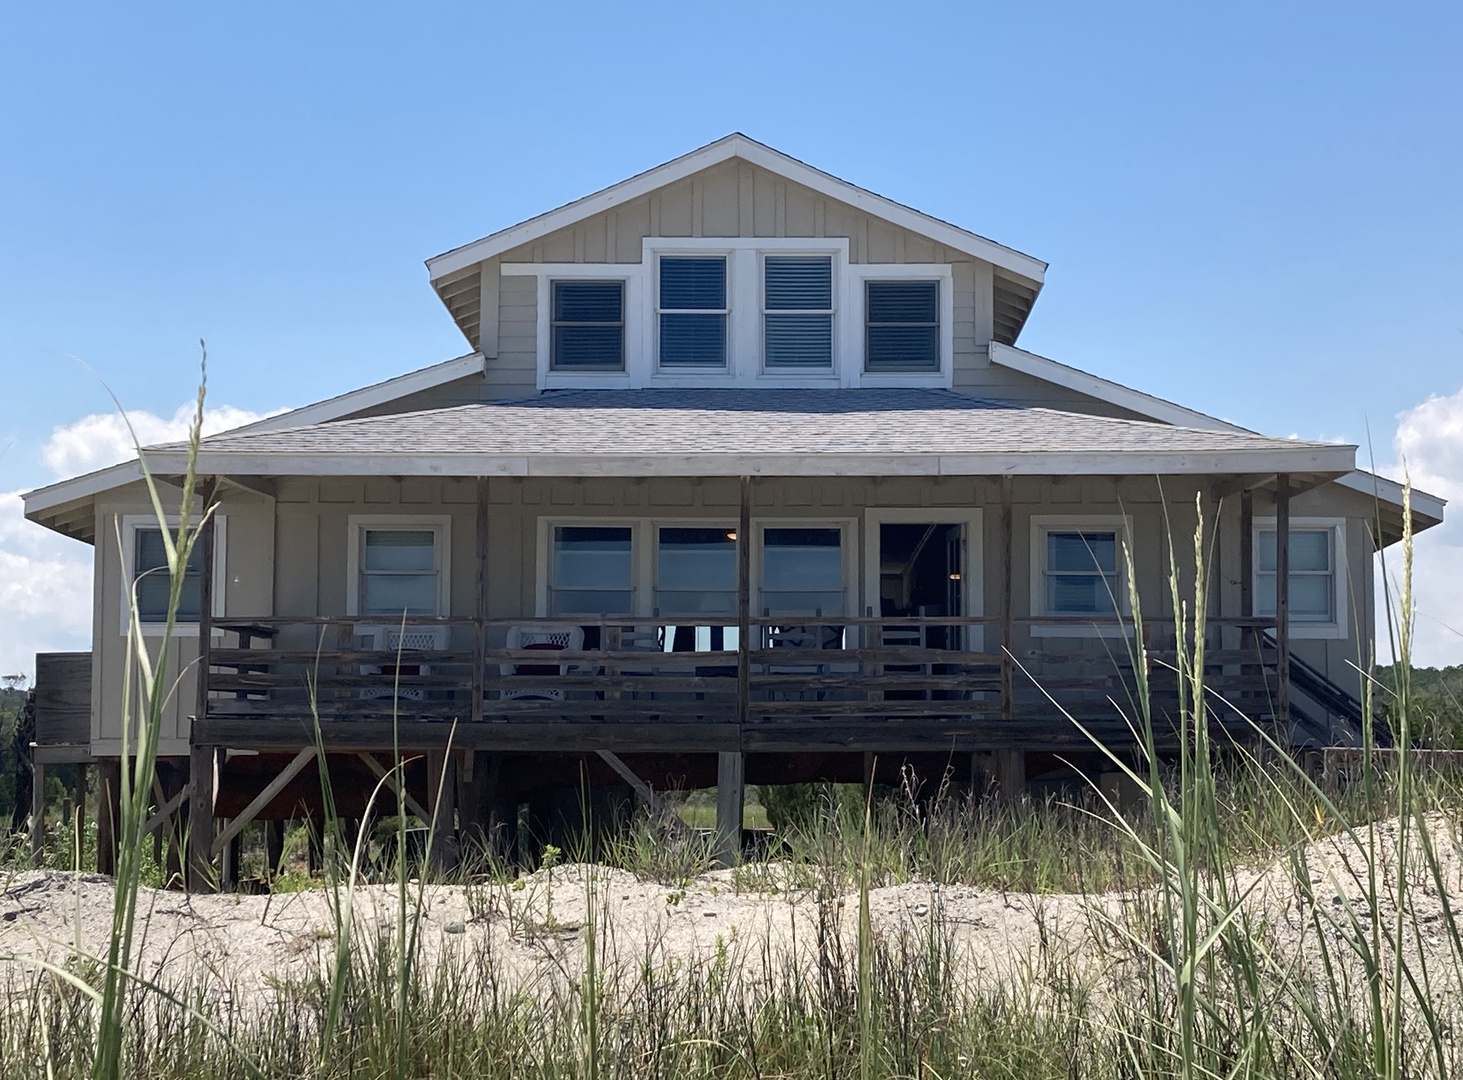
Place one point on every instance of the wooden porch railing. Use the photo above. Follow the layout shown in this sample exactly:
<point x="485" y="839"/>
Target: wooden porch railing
<point x="819" y="669"/>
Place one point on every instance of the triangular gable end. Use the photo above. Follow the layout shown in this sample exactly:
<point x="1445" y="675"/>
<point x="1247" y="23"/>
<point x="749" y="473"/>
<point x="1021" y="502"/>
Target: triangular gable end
<point x="810" y="203"/>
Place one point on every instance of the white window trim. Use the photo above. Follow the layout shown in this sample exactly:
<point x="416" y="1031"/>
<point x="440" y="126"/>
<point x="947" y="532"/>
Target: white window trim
<point x="547" y="273"/>
<point x="130" y="524"/>
<point x="1041" y="525"/>
<point x="973" y="583"/>
<point x="1338" y="629"/>
<point x="440" y="524"/>
<point x="745" y="342"/>
<point x="943" y="273"/>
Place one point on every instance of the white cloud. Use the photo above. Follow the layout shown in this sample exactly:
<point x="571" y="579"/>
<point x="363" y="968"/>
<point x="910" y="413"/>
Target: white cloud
<point x="1429" y="445"/>
<point x="102" y="439"/>
<point x="45" y="579"/>
<point x="45" y="590"/>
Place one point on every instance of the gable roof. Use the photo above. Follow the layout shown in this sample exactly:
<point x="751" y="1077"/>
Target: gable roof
<point x="733" y="432"/>
<point x="737" y="145"/>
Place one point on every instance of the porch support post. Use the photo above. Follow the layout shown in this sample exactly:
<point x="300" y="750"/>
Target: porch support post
<point x="109" y="808"/>
<point x="729" y="794"/>
<point x="744" y="603"/>
<point x="1247" y="556"/>
<point x="442" y="795"/>
<point x="202" y="764"/>
<point x="1282" y="598"/>
<point x="205" y="600"/>
<point x="1008" y="703"/>
<point x="38" y="808"/>
<point x="480" y="628"/>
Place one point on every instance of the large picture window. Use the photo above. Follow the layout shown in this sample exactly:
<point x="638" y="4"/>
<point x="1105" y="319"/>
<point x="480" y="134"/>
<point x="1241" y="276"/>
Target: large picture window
<point x="591" y="571"/>
<point x="803" y="571"/>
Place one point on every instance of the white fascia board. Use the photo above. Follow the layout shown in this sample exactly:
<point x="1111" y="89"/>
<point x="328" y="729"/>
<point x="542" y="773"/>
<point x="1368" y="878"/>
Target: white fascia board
<point x="1303" y="459"/>
<point x="1390" y="491"/>
<point x="1156" y="408"/>
<point x="368" y="397"/>
<point x="80" y="487"/>
<point x="1125" y="397"/>
<point x="738" y="146"/>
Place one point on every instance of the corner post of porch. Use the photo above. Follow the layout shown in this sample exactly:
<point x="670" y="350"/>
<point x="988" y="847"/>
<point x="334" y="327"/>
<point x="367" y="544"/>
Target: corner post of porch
<point x="730" y="764"/>
<point x="1008" y="704"/>
<point x="1282" y="597"/>
<point x="203" y="758"/>
<point x="202" y="775"/>
<point x="480" y="621"/>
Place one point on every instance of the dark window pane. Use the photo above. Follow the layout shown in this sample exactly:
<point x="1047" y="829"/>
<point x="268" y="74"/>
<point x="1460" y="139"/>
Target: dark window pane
<point x="150" y="572"/>
<point x="799" y="340"/>
<point x="903" y="325"/>
<point x="903" y="302"/>
<point x="1082" y="551"/>
<point x="589" y="301"/>
<point x="798" y="283"/>
<point x="588" y="332"/>
<point x="689" y="284"/>
<point x="904" y="348"/>
<point x="693" y="340"/>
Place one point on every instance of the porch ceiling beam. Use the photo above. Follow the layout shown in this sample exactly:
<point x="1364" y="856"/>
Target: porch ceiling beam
<point x="1223" y="489"/>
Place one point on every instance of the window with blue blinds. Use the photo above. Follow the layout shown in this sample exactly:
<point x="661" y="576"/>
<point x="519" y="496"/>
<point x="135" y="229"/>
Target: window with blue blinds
<point x="588" y="326"/>
<point x="797" y="311"/>
<point x="902" y="326"/>
<point x="693" y="311"/>
<point x="152" y="586"/>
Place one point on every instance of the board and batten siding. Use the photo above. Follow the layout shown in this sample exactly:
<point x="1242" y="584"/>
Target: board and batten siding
<point x="313" y="530"/>
<point x="248" y="581"/>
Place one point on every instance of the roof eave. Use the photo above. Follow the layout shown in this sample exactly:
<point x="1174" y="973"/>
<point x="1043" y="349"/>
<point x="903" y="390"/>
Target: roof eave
<point x="1317" y="461"/>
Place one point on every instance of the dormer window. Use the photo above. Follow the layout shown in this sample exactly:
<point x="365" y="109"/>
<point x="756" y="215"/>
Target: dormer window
<point x="902" y="326"/>
<point x="797" y="311"/>
<point x="693" y="312"/>
<point x="588" y="326"/>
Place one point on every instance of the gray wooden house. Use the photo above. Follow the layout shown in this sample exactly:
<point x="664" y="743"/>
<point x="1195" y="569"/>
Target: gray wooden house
<point x="744" y="478"/>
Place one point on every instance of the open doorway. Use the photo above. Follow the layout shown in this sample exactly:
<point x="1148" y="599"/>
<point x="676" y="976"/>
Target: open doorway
<point x="922" y="574"/>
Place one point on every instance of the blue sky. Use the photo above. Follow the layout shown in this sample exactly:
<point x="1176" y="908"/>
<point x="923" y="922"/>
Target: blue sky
<point x="1253" y="209"/>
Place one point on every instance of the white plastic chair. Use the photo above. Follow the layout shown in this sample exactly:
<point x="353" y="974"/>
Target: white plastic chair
<point x="549" y="639"/>
<point x="398" y="639"/>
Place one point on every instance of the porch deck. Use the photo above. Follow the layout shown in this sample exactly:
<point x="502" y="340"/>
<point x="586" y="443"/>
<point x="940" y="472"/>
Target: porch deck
<point x="856" y="690"/>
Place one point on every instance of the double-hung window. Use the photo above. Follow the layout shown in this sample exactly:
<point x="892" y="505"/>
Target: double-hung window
<point x="692" y="311"/>
<point x="901" y="326"/>
<point x="797" y="311"/>
<point x="588" y="326"/>
<point x="1077" y="569"/>
<point x="400" y="570"/>
<point x="152" y="585"/>
<point x="1314" y="597"/>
